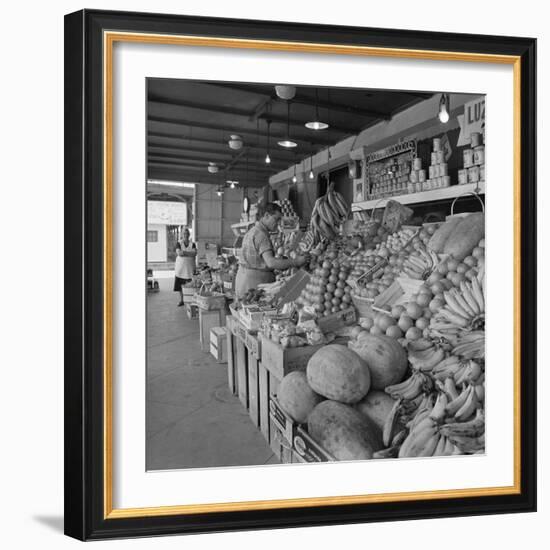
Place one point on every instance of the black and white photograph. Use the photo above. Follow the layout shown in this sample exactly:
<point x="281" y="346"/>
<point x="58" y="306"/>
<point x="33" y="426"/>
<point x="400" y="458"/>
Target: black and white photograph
<point x="315" y="274"/>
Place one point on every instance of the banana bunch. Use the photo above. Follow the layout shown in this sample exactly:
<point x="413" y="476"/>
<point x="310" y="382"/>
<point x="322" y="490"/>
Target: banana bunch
<point x="328" y="213"/>
<point x="411" y="388"/>
<point x="471" y="345"/>
<point x="466" y="404"/>
<point x="425" y="437"/>
<point x="463" y="312"/>
<point x="421" y="265"/>
<point x="468" y="436"/>
<point x="425" y="360"/>
<point x="460" y="371"/>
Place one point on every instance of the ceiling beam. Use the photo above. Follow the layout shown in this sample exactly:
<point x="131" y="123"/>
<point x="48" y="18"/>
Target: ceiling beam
<point x="262" y="147"/>
<point x="240" y="131"/>
<point x="257" y="113"/>
<point x="181" y="173"/>
<point x="198" y="168"/>
<point x="214" y="158"/>
<point x="305" y="100"/>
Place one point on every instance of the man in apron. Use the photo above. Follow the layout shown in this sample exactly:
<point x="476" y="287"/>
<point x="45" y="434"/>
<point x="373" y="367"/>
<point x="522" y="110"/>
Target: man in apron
<point x="184" y="268"/>
<point x="258" y="258"/>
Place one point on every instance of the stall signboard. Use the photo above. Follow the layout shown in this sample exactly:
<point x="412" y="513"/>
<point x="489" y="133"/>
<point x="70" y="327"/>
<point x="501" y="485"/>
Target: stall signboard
<point x="473" y="120"/>
<point x="167" y="213"/>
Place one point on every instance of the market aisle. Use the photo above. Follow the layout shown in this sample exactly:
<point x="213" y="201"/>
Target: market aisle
<point x="193" y="421"/>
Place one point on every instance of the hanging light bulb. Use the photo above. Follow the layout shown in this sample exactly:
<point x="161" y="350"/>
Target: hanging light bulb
<point x="267" y="157"/>
<point x="232" y="185"/>
<point x="311" y="174"/>
<point x="316" y="124"/>
<point x="287" y="142"/>
<point x="444" y="108"/>
<point x="294" y="178"/>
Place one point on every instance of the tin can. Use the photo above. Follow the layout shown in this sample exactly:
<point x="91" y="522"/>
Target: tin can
<point x="440" y="157"/>
<point x="468" y="156"/>
<point x="473" y="174"/>
<point x="463" y="176"/>
<point x="417" y="163"/>
<point x="446" y="181"/>
<point x="437" y="144"/>
<point x="431" y="172"/>
<point x="434" y="158"/>
<point x="422" y="175"/>
<point x="411" y="188"/>
<point x="475" y="139"/>
<point x="413" y="176"/>
<point x="418" y="187"/>
<point x="482" y="172"/>
<point x="479" y="155"/>
<point x="444" y="169"/>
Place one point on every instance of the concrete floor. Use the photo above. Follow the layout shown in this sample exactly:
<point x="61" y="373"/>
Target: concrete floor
<point x="193" y="421"/>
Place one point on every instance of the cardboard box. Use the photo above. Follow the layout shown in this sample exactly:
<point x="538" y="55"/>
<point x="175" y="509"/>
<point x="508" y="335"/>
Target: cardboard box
<point x="293" y="287"/>
<point x="192" y="311"/>
<point x="282" y="421"/>
<point x="307" y="449"/>
<point x="399" y="292"/>
<point x="335" y="321"/>
<point x="252" y="316"/>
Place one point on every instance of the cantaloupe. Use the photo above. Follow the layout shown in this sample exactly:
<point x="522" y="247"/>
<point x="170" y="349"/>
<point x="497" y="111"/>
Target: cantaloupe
<point x="343" y="431"/>
<point x="385" y="357"/>
<point x="336" y="372"/>
<point x="296" y="396"/>
<point x="438" y="239"/>
<point x="466" y="236"/>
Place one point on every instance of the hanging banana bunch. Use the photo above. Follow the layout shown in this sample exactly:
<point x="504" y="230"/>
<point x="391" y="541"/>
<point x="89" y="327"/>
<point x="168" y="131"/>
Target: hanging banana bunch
<point x="329" y="212"/>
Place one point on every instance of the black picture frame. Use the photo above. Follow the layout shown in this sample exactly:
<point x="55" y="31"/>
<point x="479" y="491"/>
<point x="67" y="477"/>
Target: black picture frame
<point x="84" y="282"/>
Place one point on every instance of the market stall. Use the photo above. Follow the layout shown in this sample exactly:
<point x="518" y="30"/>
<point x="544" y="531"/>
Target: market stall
<point x="376" y="348"/>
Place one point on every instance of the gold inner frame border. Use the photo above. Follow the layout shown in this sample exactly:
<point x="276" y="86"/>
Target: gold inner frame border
<point x="109" y="39"/>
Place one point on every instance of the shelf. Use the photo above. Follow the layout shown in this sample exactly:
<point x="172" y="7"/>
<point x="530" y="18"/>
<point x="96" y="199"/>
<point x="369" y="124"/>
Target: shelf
<point x="424" y="196"/>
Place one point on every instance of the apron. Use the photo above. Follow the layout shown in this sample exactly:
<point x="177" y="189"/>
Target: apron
<point x="250" y="278"/>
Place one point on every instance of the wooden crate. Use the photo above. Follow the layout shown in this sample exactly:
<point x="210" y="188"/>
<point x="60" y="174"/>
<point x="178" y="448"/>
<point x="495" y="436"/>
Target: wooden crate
<point x="308" y="449"/>
<point x="240" y="358"/>
<point x="216" y="301"/>
<point x="280" y="446"/>
<point x="280" y="361"/>
<point x="209" y="319"/>
<point x="218" y="344"/>
<point x="253" y="388"/>
<point x="231" y="363"/>
<point x="253" y="343"/>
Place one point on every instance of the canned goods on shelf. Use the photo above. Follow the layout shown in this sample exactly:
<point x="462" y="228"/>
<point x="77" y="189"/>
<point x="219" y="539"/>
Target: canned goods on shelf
<point x="445" y="181"/>
<point x="434" y="158"/>
<point x="463" y="176"/>
<point x="417" y="163"/>
<point x="437" y="144"/>
<point x="413" y="176"/>
<point x="475" y="139"/>
<point x="444" y="169"/>
<point x="431" y="172"/>
<point x="440" y="157"/>
<point x="473" y="174"/>
<point x="482" y="172"/>
<point x="479" y="154"/>
<point x="468" y="156"/>
<point x="421" y="176"/>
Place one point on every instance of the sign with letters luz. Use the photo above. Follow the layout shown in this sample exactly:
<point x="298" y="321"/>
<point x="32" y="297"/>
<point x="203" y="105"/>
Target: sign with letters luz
<point x="473" y="120"/>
